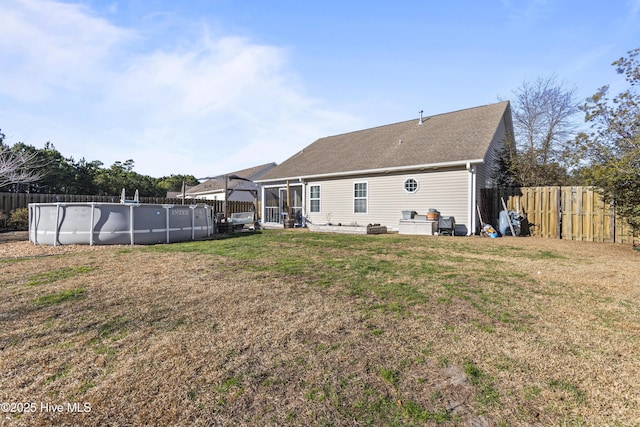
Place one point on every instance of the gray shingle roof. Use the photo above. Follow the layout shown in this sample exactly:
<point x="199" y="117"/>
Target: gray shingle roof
<point x="217" y="183"/>
<point x="458" y="136"/>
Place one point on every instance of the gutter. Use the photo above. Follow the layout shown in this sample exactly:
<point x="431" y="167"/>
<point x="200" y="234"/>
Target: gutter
<point x="465" y="163"/>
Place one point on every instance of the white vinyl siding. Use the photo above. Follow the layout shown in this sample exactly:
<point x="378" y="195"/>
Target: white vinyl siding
<point x="443" y="189"/>
<point x="484" y="178"/>
<point x="485" y="171"/>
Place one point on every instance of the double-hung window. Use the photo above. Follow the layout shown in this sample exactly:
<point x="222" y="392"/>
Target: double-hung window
<point x="314" y="198"/>
<point x="360" y="197"/>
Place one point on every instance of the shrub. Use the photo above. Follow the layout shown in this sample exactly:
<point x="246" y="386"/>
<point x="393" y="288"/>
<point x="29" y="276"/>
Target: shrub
<point x="19" y="219"/>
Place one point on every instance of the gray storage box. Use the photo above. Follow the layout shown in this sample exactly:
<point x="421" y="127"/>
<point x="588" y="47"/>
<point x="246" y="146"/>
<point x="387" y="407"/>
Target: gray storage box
<point x="408" y="214"/>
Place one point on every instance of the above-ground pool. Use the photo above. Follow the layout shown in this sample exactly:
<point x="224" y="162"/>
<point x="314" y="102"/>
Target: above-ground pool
<point x="117" y="223"/>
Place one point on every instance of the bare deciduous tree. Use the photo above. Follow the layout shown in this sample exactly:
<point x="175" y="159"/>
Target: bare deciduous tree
<point x="17" y="167"/>
<point x="543" y="126"/>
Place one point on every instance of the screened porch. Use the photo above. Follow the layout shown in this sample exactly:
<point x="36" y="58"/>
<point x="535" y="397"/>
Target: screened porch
<point x="278" y="207"/>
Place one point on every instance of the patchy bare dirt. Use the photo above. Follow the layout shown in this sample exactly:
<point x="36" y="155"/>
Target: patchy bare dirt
<point x="13" y="236"/>
<point x="15" y="244"/>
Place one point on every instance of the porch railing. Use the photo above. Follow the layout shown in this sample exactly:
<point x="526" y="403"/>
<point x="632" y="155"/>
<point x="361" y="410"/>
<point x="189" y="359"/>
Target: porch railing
<point x="272" y="214"/>
<point x="275" y="215"/>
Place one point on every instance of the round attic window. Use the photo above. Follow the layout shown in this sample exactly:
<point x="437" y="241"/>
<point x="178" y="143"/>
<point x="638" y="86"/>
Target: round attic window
<point x="411" y="185"/>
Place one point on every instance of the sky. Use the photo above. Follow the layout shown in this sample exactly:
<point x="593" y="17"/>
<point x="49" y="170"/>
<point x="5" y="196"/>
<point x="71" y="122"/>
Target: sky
<point x="207" y="87"/>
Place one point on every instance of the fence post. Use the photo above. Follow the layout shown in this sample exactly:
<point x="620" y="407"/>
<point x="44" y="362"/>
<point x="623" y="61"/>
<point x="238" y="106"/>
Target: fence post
<point x="558" y="210"/>
<point x="612" y="223"/>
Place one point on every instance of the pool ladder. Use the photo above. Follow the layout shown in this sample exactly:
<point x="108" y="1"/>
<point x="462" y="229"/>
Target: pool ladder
<point x="123" y="198"/>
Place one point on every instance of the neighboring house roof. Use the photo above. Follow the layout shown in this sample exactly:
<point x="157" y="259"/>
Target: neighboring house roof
<point x="216" y="184"/>
<point x="451" y="138"/>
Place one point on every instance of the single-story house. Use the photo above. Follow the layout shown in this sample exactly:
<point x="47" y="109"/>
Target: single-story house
<point x="240" y="185"/>
<point x="371" y="176"/>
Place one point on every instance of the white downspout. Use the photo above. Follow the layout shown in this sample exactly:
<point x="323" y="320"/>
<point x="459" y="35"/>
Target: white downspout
<point x="263" y="209"/>
<point x="304" y="202"/>
<point x="472" y="198"/>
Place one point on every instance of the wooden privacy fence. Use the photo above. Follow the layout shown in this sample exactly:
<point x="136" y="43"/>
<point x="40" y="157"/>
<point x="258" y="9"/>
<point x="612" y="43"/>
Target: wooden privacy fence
<point x="12" y="201"/>
<point x="570" y="213"/>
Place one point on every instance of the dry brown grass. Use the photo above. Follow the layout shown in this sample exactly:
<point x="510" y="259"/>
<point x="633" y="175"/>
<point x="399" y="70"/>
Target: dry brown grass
<point x="491" y="332"/>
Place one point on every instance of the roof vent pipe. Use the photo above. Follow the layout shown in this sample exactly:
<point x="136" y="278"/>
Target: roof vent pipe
<point x="421" y="121"/>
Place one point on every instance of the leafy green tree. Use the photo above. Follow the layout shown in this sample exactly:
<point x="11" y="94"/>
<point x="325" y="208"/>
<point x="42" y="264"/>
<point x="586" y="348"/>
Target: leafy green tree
<point x="111" y="181"/>
<point x="57" y="171"/>
<point x="26" y="168"/>
<point x="175" y="182"/>
<point x="613" y="145"/>
<point x="84" y="176"/>
<point x="122" y="176"/>
<point x="147" y="185"/>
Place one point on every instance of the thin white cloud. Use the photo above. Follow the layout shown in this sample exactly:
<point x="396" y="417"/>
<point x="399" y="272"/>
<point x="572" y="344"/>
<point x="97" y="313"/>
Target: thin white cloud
<point x="525" y="14"/>
<point x="207" y="106"/>
<point x="223" y="102"/>
<point x="209" y="77"/>
<point x="50" y="46"/>
<point x="630" y="26"/>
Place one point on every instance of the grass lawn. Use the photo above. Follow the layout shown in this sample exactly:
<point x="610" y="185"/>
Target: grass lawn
<point x="297" y="328"/>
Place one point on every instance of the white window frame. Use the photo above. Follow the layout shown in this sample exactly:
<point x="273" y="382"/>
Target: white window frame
<point x="404" y="185"/>
<point x="313" y="199"/>
<point x="365" y="198"/>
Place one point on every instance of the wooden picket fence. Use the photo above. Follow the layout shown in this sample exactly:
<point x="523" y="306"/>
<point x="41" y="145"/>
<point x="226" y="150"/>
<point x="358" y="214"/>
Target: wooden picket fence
<point x="570" y="213"/>
<point x="12" y="201"/>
